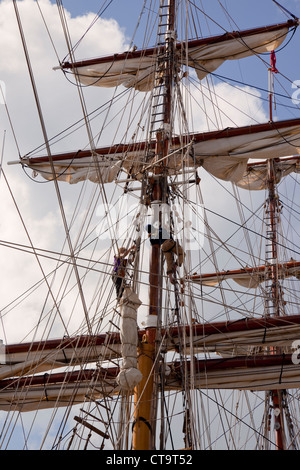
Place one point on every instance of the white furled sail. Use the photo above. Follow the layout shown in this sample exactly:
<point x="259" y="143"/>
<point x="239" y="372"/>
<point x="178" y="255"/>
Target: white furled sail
<point x="129" y="375"/>
<point x="73" y="170"/>
<point x="74" y="351"/>
<point x="276" y="372"/>
<point x="255" y="177"/>
<point x="247" y="277"/>
<point x="223" y="153"/>
<point x="43" y="392"/>
<point x="267" y="372"/>
<point x="137" y="69"/>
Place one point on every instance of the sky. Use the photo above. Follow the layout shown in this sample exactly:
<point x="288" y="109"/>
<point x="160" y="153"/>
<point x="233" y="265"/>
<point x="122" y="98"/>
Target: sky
<point x="20" y="130"/>
<point x="61" y="107"/>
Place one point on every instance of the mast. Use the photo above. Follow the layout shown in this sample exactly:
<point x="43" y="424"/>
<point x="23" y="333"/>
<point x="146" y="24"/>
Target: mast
<point x="145" y="395"/>
<point x="274" y="298"/>
<point x="273" y="290"/>
<point x="97" y="386"/>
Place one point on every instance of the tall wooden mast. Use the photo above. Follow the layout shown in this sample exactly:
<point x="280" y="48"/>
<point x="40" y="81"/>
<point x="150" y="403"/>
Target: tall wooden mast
<point x="145" y="395"/>
<point x="273" y="291"/>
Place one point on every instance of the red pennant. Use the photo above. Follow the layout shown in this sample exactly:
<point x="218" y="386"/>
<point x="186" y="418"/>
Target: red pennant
<point x="273" y="62"/>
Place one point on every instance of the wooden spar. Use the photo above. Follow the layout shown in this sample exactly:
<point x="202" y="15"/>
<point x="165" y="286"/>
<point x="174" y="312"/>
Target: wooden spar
<point x="272" y="273"/>
<point x="180" y="45"/>
<point x="295" y="158"/>
<point x="16" y="353"/>
<point x="91" y="427"/>
<point x="108" y="375"/>
<point x="78" y="347"/>
<point x="275" y="294"/>
<point x="236" y="272"/>
<point x="272" y="276"/>
<point x="272" y="208"/>
<point x="145" y="396"/>
<point x="111" y="150"/>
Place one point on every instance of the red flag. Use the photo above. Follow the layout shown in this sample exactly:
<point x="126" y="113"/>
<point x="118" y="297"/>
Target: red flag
<point x="273" y="62"/>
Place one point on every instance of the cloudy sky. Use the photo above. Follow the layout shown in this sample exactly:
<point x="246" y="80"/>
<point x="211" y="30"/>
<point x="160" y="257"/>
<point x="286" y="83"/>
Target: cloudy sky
<point x="30" y="210"/>
<point x="41" y="222"/>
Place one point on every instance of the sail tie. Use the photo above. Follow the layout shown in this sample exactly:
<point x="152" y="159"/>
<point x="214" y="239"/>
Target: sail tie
<point x="45" y="376"/>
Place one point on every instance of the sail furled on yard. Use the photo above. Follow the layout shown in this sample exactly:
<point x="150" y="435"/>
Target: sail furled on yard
<point x="262" y="372"/>
<point x="223" y="336"/>
<point x="247" y="277"/>
<point x="223" y="153"/>
<point x="255" y="176"/>
<point x="75" y="167"/>
<point x="137" y="68"/>
<point x="25" y="392"/>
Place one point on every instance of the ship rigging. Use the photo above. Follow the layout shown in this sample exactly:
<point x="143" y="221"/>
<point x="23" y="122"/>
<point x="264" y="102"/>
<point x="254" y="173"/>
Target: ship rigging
<point x="150" y="360"/>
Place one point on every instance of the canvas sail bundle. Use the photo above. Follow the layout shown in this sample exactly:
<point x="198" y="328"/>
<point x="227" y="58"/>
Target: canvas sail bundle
<point x="71" y="169"/>
<point x="277" y="372"/>
<point x="243" y="342"/>
<point x="223" y="338"/>
<point x="129" y="375"/>
<point x="137" y="69"/>
<point x="29" y="358"/>
<point x="225" y="154"/>
<point x="56" y="390"/>
<point x="255" y="176"/>
<point x="242" y="373"/>
<point x="237" y="337"/>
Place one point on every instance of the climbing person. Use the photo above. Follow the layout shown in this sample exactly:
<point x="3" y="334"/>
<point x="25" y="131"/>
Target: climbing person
<point x="119" y="270"/>
<point x="169" y="247"/>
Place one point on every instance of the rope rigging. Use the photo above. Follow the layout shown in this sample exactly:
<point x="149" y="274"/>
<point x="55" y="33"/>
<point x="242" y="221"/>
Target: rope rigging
<point x="92" y="256"/>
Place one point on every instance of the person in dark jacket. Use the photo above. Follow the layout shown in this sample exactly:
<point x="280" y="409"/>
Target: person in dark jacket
<point x="119" y="270"/>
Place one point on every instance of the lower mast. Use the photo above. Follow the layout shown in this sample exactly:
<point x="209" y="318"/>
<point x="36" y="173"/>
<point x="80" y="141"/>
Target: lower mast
<point x="274" y="294"/>
<point x="144" y="394"/>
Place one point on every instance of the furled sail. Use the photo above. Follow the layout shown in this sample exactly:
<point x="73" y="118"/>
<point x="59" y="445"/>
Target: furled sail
<point x="255" y="177"/>
<point x="223" y="153"/>
<point x="35" y="357"/>
<point x="137" y="69"/>
<point x="247" y="277"/>
<point x="61" y="389"/>
<point x="129" y="375"/>
<point x="234" y="337"/>
<point x="266" y="372"/>
<point x="71" y="169"/>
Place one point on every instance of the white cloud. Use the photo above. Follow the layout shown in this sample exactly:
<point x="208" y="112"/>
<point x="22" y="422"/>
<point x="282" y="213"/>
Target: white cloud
<point x="226" y="106"/>
<point x="60" y="107"/>
<point x="59" y="100"/>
